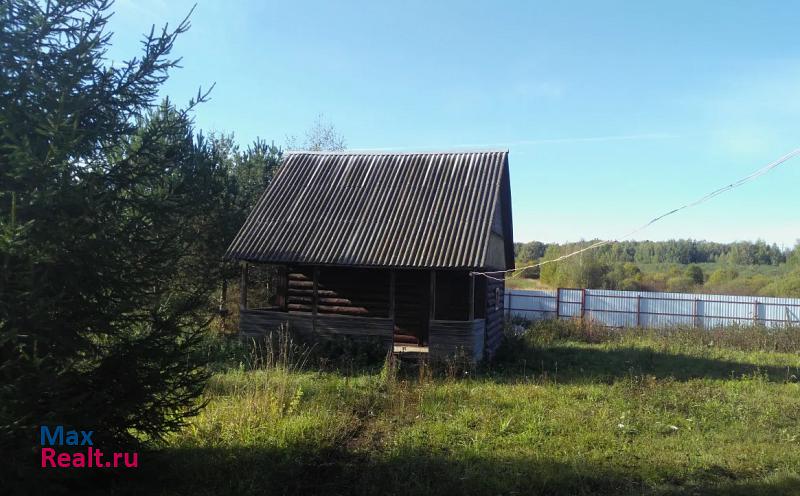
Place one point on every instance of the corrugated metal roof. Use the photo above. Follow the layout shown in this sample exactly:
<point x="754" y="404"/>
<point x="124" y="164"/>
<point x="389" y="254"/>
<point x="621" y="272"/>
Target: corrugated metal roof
<point x="380" y="209"/>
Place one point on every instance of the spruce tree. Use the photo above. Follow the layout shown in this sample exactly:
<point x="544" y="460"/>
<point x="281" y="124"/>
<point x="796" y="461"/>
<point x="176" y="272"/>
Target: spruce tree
<point x="108" y="250"/>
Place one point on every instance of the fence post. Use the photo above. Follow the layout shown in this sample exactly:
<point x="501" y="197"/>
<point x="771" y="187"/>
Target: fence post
<point x="638" y="310"/>
<point x="695" y="314"/>
<point x="583" y="303"/>
<point x="755" y="312"/>
<point x="558" y="303"/>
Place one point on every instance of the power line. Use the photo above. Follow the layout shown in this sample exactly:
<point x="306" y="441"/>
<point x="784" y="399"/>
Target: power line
<point x="755" y="175"/>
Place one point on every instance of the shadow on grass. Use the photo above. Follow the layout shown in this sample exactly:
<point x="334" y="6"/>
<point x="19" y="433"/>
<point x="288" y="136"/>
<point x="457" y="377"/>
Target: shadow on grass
<point x="583" y="364"/>
<point x="415" y="472"/>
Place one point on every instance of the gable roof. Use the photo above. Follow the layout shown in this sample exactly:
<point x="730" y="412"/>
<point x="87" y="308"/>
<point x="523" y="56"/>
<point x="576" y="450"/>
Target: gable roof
<point x="421" y="210"/>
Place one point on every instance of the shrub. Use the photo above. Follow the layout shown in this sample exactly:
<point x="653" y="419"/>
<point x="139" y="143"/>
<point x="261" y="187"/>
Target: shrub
<point x="722" y="275"/>
<point x="695" y="274"/>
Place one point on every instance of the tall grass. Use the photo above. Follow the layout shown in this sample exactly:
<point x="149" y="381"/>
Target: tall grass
<point x="568" y="408"/>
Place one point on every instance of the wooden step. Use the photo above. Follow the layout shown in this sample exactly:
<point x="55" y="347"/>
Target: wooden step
<point x="406" y="339"/>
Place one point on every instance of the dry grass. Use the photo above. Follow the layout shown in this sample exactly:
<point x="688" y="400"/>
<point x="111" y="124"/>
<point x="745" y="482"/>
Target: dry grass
<point x="568" y="409"/>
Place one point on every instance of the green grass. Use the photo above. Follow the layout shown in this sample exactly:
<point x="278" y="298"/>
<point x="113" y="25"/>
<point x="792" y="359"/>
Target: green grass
<point x="565" y="410"/>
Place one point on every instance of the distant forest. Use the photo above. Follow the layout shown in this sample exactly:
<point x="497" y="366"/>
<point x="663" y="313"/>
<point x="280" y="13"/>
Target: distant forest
<point x="756" y="268"/>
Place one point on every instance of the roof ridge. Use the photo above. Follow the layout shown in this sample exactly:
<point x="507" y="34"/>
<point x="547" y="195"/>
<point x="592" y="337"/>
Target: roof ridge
<point x="378" y="151"/>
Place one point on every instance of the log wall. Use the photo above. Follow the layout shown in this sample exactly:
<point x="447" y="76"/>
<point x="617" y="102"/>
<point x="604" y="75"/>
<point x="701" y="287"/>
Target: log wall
<point x="340" y="291"/>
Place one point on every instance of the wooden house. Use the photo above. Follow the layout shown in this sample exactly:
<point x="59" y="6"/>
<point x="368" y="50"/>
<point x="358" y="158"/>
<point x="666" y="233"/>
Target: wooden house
<point x="383" y="245"/>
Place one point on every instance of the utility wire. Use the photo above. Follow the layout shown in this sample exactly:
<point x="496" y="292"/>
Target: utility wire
<point x="755" y="175"/>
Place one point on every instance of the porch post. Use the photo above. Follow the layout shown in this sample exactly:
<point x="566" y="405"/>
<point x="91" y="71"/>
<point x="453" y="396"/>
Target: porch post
<point x="243" y="288"/>
<point x="391" y="293"/>
<point x="315" y="300"/>
<point x="433" y="295"/>
<point x="283" y="287"/>
<point x="471" y="297"/>
<point x="315" y="295"/>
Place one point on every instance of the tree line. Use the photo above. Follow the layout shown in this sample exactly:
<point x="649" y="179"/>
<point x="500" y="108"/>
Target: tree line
<point x="748" y="268"/>
<point x="681" y="251"/>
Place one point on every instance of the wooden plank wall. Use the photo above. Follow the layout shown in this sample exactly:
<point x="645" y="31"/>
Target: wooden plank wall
<point x="255" y="323"/>
<point x="494" y="315"/>
<point x="338" y="325"/>
<point x="449" y="337"/>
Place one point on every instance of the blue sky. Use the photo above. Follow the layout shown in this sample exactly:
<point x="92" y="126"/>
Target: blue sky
<point x="613" y="112"/>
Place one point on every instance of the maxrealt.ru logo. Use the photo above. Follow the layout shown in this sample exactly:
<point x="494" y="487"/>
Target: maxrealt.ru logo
<point x="52" y="438"/>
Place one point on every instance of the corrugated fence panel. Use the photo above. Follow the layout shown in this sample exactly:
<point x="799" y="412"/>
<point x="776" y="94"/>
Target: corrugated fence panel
<point x="570" y="303"/>
<point x="639" y="308"/>
<point x="532" y="305"/>
<point x="614" y="310"/>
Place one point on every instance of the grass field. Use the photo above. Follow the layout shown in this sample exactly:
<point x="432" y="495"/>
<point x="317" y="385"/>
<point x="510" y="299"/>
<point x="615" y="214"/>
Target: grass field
<point x="565" y="410"/>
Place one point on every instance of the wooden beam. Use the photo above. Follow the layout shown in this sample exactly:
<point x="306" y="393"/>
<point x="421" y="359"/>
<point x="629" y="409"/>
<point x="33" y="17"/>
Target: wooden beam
<point x="392" y="291"/>
<point x="243" y="288"/>
<point x="471" y="297"/>
<point x="280" y="281"/>
<point x="315" y="304"/>
<point x="316" y="291"/>
<point x="432" y="299"/>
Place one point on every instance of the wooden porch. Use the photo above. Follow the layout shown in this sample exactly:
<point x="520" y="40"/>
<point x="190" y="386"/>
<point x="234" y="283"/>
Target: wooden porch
<point x="447" y="337"/>
<point x="435" y="312"/>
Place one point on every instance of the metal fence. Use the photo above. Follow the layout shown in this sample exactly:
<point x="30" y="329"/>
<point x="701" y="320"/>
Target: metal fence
<point x="644" y="309"/>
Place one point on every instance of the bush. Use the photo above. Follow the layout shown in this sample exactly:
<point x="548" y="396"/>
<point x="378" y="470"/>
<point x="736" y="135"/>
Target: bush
<point x="695" y="274"/>
<point x="722" y="275"/>
<point x="625" y="277"/>
<point x="680" y="284"/>
<point x="788" y="286"/>
<point x="582" y="271"/>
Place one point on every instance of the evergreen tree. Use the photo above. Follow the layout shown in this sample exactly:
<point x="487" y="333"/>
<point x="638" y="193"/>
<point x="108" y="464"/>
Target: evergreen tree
<point x="108" y="211"/>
